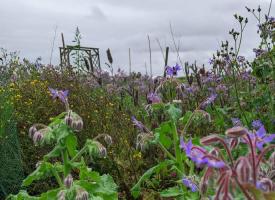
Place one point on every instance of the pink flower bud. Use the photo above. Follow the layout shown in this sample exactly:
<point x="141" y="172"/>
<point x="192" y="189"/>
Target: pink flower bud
<point x="209" y="140"/>
<point x="244" y="170"/>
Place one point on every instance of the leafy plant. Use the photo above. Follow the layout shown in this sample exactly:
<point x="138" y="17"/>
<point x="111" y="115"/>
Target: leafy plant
<point x="75" y="179"/>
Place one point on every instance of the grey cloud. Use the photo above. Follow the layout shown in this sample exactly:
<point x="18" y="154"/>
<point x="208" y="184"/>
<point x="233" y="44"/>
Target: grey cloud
<point x="199" y="25"/>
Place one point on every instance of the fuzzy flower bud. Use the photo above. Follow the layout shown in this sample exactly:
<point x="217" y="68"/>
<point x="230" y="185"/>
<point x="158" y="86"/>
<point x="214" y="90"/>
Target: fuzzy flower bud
<point x="61" y="195"/>
<point x="108" y="139"/>
<point x="244" y="170"/>
<point x="32" y="130"/>
<point x="74" y="121"/>
<point x="68" y="120"/>
<point x="82" y="195"/>
<point x="37" y="137"/>
<point x="102" y="151"/>
<point x="68" y="181"/>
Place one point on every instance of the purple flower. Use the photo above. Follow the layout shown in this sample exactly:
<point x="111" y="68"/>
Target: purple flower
<point x="261" y="138"/>
<point x="199" y="155"/>
<point x="211" y="61"/>
<point x="60" y="94"/>
<point x="209" y="100"/>
<point x="259" y="52"/>
<point x="189" y="184"/>
<point x="256" y="124"/>
<point x="153" y="98"/>
<point x="173" y="71"/>
<point x="236" y="122"/>
<point x="221" y="88"/>
<point x="241" y="59"/>
<point x="137" y="123"/>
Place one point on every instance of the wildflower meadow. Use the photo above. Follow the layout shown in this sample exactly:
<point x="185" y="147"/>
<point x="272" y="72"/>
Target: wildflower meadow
<point x="78" y="133"/>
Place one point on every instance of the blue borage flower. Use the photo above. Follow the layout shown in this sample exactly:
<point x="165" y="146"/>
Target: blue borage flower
<point x="209" y="100"/>
<point x="60" y="94"/>
<point x="236" y="121"/>
<point x="190" y="184"/>
<point x="260" y="138"/>
<point x="200" y="156"/>
<point x="256" y="124"/>
<point x="137" y="123"/>
<point x="173" y="71"/>
<point x="153" y="98"/>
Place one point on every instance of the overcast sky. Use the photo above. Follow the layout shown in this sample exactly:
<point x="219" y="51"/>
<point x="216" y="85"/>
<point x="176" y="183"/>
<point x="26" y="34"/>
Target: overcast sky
<point x="200" y="25"/>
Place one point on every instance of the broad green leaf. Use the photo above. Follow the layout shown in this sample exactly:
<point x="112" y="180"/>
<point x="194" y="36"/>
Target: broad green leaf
<point x="44" y="170"/>
<point x="71" y="144"/>
<point x="163" y="134"/>
<point x="173" y="112"/>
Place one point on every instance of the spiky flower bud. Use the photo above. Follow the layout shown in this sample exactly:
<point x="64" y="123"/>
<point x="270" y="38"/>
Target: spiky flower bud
<point x="61" y="195"/>
<point x="68" y="120"/>
<point x="236" y="131"/>
<point x="108" y="139"/>
<point x="244" y="170"/>
<point x="68" y="181"/>
<point x="32" y="130"/>
<point x="82" y="195"/>
<point x="102" y="151"/>
<point x="39" y="134"/>
<point x="74" y="121"/>
<point x="37" y="137"/>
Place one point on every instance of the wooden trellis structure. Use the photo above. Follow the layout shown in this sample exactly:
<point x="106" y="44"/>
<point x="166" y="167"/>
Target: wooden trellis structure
<point x="91" y="56"/>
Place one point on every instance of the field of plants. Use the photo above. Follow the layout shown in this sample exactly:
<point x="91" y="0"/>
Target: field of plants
<point x="69" y="133"/>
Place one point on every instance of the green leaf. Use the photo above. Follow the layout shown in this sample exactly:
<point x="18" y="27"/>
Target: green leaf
<point x="186" y="117"/>
<point x="163" y="134"/>
<point x="71" y="144"/>
<point x="22" y="195"/>
<point x="171" y="192"/>
<point x="44" y="170"/>
<point x="173" y="112"/>
<point x="137" y="187"/>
